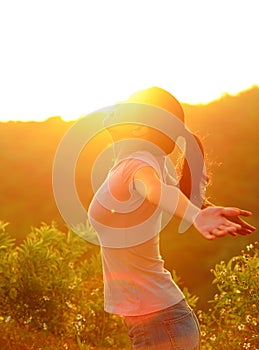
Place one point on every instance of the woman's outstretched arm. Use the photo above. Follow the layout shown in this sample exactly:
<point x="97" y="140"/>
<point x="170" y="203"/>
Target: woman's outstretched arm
<point x="211" y="222"/>
<point x="245" y="228"/>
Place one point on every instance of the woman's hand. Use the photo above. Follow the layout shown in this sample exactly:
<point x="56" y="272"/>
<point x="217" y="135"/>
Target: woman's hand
<point x="245" y="229"/>
<point x="214" y="222"/>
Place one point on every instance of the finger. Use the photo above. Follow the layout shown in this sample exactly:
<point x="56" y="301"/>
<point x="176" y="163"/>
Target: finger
<point x="208" y="235"/>
<point x="248" y="226"/>
<point x="222" y="231"/>
<point x="230" y="211"/>
<point x="227" y="223"/>
<point x="234" y="234"/>
<point x="244" y="232"/>
<point x="230" y="230"/>
<point x="230" y="224"/>
<point x="236" y="211"/>
<point x="245" y="212"/>
<point x="244" y="224"/>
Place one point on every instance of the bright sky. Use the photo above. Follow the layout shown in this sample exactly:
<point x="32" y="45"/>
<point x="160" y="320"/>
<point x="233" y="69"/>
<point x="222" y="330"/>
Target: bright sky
<point x="71" y="57"/>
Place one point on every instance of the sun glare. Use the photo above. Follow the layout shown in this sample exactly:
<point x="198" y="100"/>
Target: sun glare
<point x="78" y="64"/>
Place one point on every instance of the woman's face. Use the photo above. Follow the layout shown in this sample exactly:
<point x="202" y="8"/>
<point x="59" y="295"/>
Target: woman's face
<point x="126" y="131"/>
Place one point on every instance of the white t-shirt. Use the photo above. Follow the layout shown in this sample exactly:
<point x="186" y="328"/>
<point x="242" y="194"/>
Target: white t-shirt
<point x="128" y="226"/>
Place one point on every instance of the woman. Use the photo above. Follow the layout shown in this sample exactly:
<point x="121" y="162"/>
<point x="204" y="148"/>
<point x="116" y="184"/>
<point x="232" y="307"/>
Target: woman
<point x="126" y="212"/>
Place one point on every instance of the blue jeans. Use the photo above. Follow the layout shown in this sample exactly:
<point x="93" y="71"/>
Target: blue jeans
<point x="174" y="328"/>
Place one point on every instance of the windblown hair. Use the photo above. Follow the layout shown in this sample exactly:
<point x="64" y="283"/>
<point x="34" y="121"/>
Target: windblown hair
<point x="186" y="183"/>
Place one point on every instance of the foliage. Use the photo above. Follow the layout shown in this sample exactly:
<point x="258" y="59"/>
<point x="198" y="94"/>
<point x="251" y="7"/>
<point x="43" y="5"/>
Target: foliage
<point x="51" y="297"/>
<point x="6" y="246"/>
<point x="51" y="287"/>
<point x="191" y="299"/>
<point x="233" y="321"/>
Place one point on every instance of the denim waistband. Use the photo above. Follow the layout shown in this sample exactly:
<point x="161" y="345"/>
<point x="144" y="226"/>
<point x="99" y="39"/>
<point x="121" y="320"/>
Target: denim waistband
<point x="154" y="314"/>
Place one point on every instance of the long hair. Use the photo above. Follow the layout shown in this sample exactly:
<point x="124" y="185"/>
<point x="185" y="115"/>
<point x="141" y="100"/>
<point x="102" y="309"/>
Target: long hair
<point x="186" y="184"/>
<point x="161" y="98"/>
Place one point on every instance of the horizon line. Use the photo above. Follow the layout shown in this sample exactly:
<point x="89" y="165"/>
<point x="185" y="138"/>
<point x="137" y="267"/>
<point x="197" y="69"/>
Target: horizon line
<point x="205" y="103"/>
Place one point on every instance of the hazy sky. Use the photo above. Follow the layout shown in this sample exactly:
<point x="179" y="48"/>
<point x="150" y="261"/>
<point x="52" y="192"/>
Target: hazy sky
<point x="68" y="58"/>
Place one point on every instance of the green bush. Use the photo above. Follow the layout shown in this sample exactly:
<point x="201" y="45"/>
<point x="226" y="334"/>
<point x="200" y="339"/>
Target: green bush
<point x="51" y="288"/>
<point x="233" y="321"/>
<point x="51" y="297"/>
<point x="6" y="252"/>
